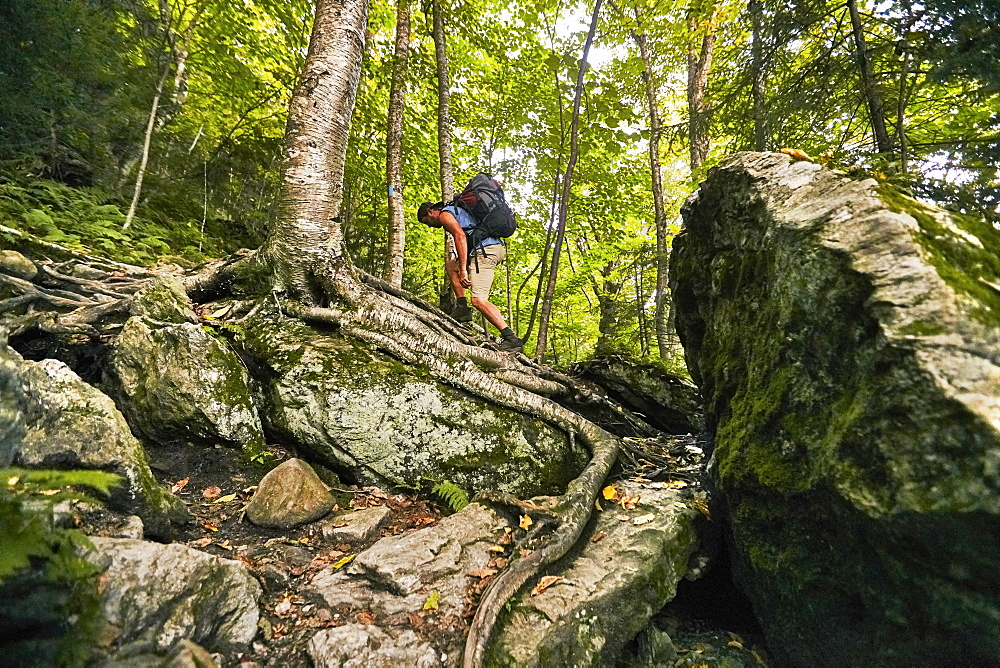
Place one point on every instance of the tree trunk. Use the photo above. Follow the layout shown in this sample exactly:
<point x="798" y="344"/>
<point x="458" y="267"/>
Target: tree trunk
<point x="759" y="74"/>
<point x="146" y="142"/>
<point x="701" y="46"/>
<point x="661" y="317"/>
<point x="543" y="321"/>
<point x="394" y="148"/>
<point x="869" y="88"/>
<point x="307" y="228"/>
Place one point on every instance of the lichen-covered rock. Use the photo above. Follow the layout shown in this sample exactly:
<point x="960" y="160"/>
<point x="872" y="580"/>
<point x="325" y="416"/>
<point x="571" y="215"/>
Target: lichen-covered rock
<point x="157" y="595"/>
<point x="361" y="646"/>
<point x="12" y="402"/>
<point x="290" y="494"/>
<point x="846" y="342"/>
<point x="398" y="574"/>
<point x="178" y="382"/>
<point x="163" y="300"/>
<point x="14" y="264"/>
<point x="69" y="424"/>
<point x="358" y="527"/>
<point x="610" y="589"/>
<point x="667" y="401"/>
<point x="390" y="424"/>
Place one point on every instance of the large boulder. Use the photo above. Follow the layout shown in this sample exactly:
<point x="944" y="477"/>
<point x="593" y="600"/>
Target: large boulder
<point x="846" y="341"/>
<point x="665" y="400"/>
<point x="156" y="596"/>
<point x="389" y="424"/>
<point x="177" y="382"/>
<point x="625" y="568"/>
<point x="68" y="424"/>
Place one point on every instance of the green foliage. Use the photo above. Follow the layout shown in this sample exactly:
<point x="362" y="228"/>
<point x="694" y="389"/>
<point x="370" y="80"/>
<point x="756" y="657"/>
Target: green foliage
<point x="26" y="501"/>
<point x="452" y="494"/>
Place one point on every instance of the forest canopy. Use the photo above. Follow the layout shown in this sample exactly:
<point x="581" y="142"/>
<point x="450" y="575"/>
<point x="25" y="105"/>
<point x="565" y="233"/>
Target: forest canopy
<point x="152" y="130"/>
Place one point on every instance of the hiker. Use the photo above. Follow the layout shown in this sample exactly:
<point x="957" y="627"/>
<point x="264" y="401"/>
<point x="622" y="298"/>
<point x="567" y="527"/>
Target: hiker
<point x="471" y="268"/>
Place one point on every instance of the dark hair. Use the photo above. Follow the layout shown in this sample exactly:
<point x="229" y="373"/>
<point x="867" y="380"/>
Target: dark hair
<point x="427" y="206"/>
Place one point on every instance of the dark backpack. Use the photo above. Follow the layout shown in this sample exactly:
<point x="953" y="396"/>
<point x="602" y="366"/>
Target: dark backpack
<point x="483" y="198"/>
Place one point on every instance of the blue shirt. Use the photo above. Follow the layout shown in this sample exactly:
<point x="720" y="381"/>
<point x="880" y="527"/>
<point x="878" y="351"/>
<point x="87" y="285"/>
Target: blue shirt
<point x="465" y="219"/>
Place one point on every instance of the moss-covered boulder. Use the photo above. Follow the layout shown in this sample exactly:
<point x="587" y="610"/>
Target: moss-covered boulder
<point x="68" y="424"/>
<point x="163" y="300"/>
<point x="179" y="383"/>
<point x="360" y="411"/>
<point x="846" y="342"/>
<point x="665" y="400"/>
<point x="625" y="567"/>
<point x="155" y="596"/>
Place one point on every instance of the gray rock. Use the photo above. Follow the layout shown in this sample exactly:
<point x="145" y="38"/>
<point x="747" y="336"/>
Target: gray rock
<point x="290" y="495"/>
<point x="360" y="526"/>
<point x="163" y="300"/>
<point x="157" y="596"/>
<point x="131" y="528"/>
<point x="12" y="404"/>
<point x="179" y="383"/>
<point x="14" y="264"/>
<point x="391" y="425"/>
<point x="398" y="573"/>
<point x="359" y="646"/>
<point x="667" y="401"/>
<point x="611" y="587"/>
<point x="845" y="339"/>
<point x="72" y="425"/>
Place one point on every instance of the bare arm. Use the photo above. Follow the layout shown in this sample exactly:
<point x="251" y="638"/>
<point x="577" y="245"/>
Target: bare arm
<point x="451" y="226"/>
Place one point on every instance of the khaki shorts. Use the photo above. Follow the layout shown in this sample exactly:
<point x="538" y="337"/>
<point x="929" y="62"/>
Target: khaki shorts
<point x="482" y="280"/>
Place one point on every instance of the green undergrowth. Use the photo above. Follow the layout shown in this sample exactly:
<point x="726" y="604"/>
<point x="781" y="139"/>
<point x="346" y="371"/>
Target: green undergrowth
<point x="90" y="220"/>
<point x="35" y="549"/>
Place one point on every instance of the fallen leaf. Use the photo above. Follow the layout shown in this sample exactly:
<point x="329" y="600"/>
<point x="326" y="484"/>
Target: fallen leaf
<point x="179" y="485"/>
<point x="597" y="505"/>
<point x="621" y="518"/>
<point x="225" y="545"/>
<point x="546" y="582"/>
<point x="225" y="499"/>
<point x="508" y="536"/>
<point x="209" y="526"/>
<point x="344" y="547"/>
<point x="346" y="560"/>
<point x="210" y="493"/>
<point x="644" y="519"/>
<point x="797" y="153"/>
<point x="365" y="617"/>
<point x="496" y="548"/>
<point x="677" y="484"/>
<point x="610" y="493"/>
<point x="201" y="542"/>
<point x="526" y="522"/>
<point x="245" y="560"/>
<point x="598" y="537"/>
<point x="735" y="644"/>
<point x="304" y="539"/>
<point x="483" y="573"/>
<point x="629" y="502"/>
<point x="432" y="601"/>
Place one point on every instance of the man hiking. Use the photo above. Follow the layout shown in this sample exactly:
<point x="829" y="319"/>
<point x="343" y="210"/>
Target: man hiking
<point x="470" y="268"/>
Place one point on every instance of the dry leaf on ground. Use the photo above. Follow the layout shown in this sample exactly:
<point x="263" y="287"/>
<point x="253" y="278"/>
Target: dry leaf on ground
<point x="212" y="492"/>
<point x="526" y="522"/>
<point x="546" y="582"/>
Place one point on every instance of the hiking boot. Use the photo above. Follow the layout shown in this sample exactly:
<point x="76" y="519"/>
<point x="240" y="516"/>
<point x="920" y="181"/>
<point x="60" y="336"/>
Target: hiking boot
<point x="462" y="313"/>
<point x="512" y="345"/>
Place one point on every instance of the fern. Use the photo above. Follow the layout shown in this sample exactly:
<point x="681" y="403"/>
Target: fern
<point x="452" y="494"/>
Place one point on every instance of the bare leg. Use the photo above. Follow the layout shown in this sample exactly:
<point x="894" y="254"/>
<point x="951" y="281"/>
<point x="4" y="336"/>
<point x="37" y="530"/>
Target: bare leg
<point x="491" y="312"/>
<point x="451" y="269"/>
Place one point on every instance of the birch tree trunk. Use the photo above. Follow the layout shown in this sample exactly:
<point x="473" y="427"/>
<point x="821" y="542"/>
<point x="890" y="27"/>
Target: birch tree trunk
<point x="701" y="47"/>
<point x="661" y="319"/>
<point x="394" y="149"/>
<point x="146" y="143"/>
<point x="444" y="103"/>
<point x="869" y="88"/>
<point x="307" y="228"/>
<point x="574" y="150"/>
